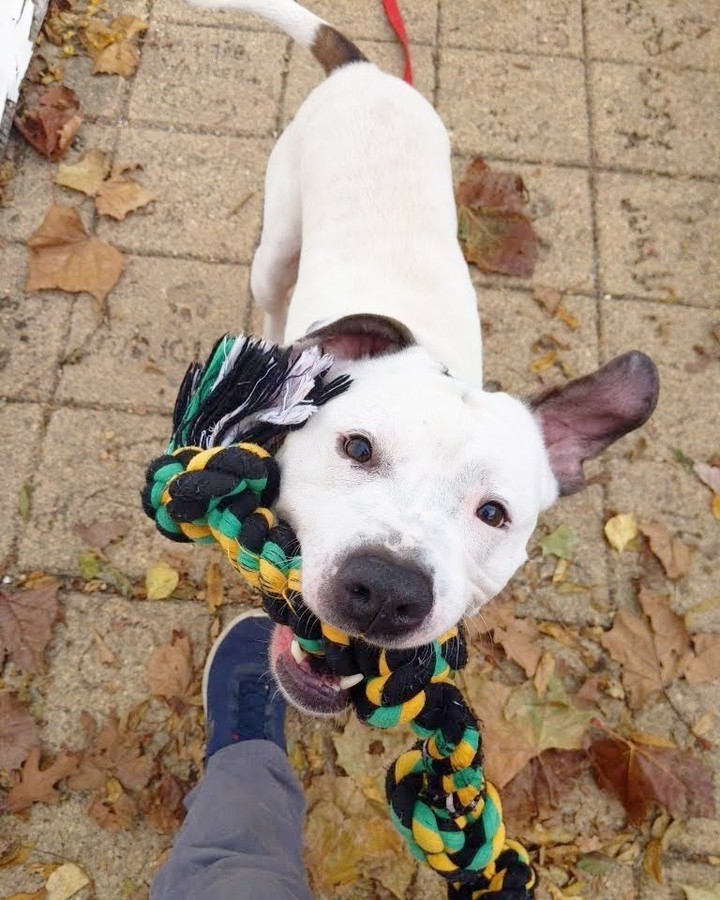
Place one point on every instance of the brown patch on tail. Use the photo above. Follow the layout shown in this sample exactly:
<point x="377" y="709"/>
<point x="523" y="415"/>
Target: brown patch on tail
<point x="332" y="49"/>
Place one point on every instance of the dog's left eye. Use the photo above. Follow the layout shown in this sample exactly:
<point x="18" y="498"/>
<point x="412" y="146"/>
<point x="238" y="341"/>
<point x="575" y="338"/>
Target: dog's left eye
<point x="493" y="514"/>
<point x="358" y="448"/>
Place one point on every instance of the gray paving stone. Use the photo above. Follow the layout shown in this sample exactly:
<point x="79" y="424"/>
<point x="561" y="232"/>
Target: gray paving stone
<point x="209" y="79"/>
<point x="130" y="630"/>
<point x="552" y="27"/>
<point x="32" y="331"/>
<point x="513" y="106"/>
<point x="20" y="426"/>
<point x="662" y="33"/>
<point x="101" y="96"/>
<point x="304" y="72"/>
<point x="656" y="238"/>
<point x="208" y="189"/>
<point x="162" y="316"/>
<point x="92" y="469"/>
<point x="656" y="119"/>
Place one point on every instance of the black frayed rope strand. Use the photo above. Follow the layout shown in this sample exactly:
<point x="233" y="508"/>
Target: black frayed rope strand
<point x="216" y="483"/>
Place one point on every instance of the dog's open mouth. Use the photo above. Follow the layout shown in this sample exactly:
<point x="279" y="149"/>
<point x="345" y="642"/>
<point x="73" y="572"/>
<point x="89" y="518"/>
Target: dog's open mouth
<point x="362" y="336"/>
<point x="305" y="680"/>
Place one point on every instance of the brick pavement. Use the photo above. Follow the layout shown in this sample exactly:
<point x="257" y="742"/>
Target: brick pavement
<point x="609" y="109"/>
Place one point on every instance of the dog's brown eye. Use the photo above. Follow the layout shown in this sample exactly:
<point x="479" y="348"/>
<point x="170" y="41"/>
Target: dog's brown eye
<point x="492" y="514"/>
<point x="358" y="448"/>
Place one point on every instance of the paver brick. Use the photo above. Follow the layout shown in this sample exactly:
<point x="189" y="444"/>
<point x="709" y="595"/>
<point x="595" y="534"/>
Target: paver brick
<point x="20" y="425"/>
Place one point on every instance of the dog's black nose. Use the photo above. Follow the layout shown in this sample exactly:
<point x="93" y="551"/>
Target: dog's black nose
<point x="379" y="598"/>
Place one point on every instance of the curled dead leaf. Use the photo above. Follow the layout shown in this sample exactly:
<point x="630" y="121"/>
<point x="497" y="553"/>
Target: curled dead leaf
<point x="113" y="47"/>
<point x="50" y="124"/>
<point x="63" y="255"/>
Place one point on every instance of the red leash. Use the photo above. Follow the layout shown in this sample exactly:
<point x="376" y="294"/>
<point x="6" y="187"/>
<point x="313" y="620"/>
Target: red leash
<point x="395" y="18"/>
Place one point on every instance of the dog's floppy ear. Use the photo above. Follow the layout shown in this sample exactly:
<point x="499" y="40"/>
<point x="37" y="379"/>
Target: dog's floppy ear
<point x="359" y="336"/>
<point x="582" y="418"/>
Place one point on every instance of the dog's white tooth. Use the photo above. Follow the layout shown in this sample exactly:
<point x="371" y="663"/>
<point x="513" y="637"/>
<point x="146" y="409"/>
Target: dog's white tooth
<point x="297" y="651"/>
<point x="348" y="681"/>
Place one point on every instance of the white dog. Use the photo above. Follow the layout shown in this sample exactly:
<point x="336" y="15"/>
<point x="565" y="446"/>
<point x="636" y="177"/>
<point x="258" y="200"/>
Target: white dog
<point x="414" y="493"/>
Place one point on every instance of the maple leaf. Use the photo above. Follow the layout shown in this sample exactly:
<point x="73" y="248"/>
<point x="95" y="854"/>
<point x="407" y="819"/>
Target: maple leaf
<point x="120" y="195"/>
<point x="169" y="671"/>
<point x="538" y="789"/>
<point x="641" y="774"/>
<point x="366" y="758"/>
<point x="87" y="174"/>
<point x="63" y="255"/>
<point x="19" y="732"/>
<point x="113" y="48"/>
<point x="674" y="555"/>
<point x="111" y="753"/>
<point x="652" y="649"/>
<point x="494" y="228"/>
<point x="553" y="721"/>
<point x="26" y="621"/>
<point x="37" y="785"/>
<point x="705" y="664"/>
<point x="50" y="125"/>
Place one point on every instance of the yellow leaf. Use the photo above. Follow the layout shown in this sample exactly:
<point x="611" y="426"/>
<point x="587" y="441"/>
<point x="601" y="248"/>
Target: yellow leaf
<point x="703" y="725"/>
<point x="213" y="586"/>
<point x="15" y="855"/>
<point x="620" y="530"/>
<point x="65" y="882"/>
<point x="113" y="48"/>
<point x="160" y="581"/>
<point x="701" y="892"/>
<point x="63" y="255"/>
<point x="715" y="506"/>
<point x="544" y="362"/>
<point x="86" y="175"/>
<point x="113" y="790"/>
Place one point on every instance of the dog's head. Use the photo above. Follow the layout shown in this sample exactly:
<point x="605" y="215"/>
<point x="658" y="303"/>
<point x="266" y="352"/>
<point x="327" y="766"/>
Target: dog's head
<point x="414" y="494"/>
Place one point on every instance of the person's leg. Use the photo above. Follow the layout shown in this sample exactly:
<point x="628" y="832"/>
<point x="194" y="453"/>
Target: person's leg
<point x="242" y="838"/>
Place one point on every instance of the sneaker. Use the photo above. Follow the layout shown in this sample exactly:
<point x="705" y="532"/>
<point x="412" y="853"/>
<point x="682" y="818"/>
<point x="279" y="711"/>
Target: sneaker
<point x="240" y="697"/>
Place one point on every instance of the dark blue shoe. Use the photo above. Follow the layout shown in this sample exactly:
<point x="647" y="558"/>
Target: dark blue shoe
<point x="241" y="700"/>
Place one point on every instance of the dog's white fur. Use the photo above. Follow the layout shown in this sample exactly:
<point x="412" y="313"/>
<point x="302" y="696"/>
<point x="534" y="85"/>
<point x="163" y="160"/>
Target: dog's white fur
<point x="360" y="218"/>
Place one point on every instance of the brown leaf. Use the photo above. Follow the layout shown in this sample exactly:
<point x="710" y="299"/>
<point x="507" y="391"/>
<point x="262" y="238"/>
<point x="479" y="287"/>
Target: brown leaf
<point x="37" y="785"/>
<point x="50" y="125"/>
<point x="113" y="48"/>
<point x="87" y="174"/>
<point x="112" y="815"/>
<point x="163" y="806"/>
<point x="168" y="671"/>
<point x="705" y="665"/>
<point x="18" y="734"/>
<point x="101" y="533"/>
<point x="63" y="255"/>
<point x="641" y="774"/>
<point x="494" y="228"/>
<point x="675" y="557"/>
<point x="26" y="621"/>
<point x="213" y="586"/>
<point x="119" y="196"/>
<point x="538" y="789"/>
<point x="112" y="753"/>
<point x="652" y="649"/>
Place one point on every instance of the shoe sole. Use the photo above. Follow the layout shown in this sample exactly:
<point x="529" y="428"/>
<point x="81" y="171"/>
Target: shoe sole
<point x="248" y="614"/>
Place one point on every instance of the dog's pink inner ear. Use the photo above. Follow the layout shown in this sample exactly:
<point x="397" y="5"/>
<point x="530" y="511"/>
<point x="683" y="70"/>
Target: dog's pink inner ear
<point x="582" y="418"/>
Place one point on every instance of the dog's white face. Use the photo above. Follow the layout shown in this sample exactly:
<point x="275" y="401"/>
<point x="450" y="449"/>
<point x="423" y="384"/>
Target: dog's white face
<point x="414" y="495"/>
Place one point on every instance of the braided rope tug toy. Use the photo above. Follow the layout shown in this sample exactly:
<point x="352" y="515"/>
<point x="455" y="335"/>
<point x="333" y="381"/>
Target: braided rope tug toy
<point x="217" y="482"/>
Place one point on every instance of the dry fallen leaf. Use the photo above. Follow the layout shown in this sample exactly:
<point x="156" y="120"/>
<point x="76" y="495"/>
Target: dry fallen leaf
<point x="100" y="534"/>
<point x="213" y="586"/>
<point x="494" y="227"/>
<point x="112" y="814"/>
<point x="701" y="892"/>
<point x="537" y="790"/>
<point x="120" y="195"/>
<point x="113" y="47"/>
<point x="19" y="732"/>
<point x="560" y="543"/>
<point x="87" y="174"/>
<point x="554" y="722"/>
<point x="111" y="753"/>
<point x="65" y="882"/>
<point x="652" y="649"/>
<point x="620" y="530"/>
<point x="63" y="255"/>
<point x="26" y="620"/>
<point x="160" y="581"/>
<point x="675" y="556"/>
<point x="704" y="667"/>
<point x="642" y="774"/>
<point x="51" y="124"/>
<point x="709" y="475"/>
<point x="168" y="671"/>
<point x="162" y="806"/>
<point x="37" y="785"/>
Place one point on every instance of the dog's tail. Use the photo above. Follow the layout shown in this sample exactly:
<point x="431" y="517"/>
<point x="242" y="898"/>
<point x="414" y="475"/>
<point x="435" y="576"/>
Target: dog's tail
<point x="330" y="48"/>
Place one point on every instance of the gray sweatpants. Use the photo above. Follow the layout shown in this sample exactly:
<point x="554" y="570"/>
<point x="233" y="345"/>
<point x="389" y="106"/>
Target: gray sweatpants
<point x="242" y="837"/>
